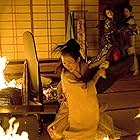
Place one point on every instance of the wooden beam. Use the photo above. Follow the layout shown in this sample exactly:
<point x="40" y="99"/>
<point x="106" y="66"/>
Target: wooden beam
<point x="31" y="16"/>
<point x="66" y="7"/>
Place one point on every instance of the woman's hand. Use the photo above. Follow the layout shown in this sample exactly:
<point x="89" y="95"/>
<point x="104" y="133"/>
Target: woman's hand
<point x="102" y="72"/>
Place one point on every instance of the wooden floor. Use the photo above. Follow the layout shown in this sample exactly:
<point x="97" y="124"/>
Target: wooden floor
<point x="123" y="99"/>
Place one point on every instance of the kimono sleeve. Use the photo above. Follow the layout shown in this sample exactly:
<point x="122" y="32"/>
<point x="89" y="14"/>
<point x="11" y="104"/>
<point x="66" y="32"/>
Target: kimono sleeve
<point x="132" y="26"/>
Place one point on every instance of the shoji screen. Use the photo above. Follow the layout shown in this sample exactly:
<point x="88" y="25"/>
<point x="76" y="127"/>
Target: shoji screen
<point x="48" y="25"/>
<point x="14" y="20"/>
<point x="44" y="18"/>
<point x="136" y="14"/>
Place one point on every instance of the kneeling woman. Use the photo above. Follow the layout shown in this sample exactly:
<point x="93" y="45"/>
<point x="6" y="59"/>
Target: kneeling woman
<point x="78" y="116"/>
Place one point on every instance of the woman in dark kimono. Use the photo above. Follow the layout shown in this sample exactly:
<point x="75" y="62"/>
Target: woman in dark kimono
<point x="128" y="33"/>
<point x="112" y="51"/>
<point x="110" y="32"/>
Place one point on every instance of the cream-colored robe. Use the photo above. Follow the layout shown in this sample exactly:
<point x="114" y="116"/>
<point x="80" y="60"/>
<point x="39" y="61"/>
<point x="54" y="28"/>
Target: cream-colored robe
<point x="132" y="49"/>
<point x="83" y="108"/>
<point x="81" y="113"/>
<point x="78" y="116"/>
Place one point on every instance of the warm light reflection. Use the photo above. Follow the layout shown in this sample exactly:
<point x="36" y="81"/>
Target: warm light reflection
<point x="3" y="82"/>
<point x="138" y="116"/>
<point x="138" y="137"/>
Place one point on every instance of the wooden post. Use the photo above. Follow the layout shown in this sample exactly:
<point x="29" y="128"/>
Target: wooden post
<point x="66" y="7"/>
<point x="31" y="16"/>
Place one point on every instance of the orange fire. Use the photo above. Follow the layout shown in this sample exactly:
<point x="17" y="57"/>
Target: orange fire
<point x="11" y="132"/>
<point x="3" y="82"/>
<point x="3" y="62"/>
<point x="106" y="138"/>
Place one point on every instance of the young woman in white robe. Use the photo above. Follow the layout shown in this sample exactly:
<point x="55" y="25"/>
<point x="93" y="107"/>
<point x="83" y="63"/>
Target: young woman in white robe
<point x="78" y="115"/>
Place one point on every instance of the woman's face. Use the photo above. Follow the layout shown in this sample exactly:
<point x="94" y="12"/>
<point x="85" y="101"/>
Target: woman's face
<point x="126" y="12"/>
<point x="109" y="13"/>
<point x="69" y="62"/>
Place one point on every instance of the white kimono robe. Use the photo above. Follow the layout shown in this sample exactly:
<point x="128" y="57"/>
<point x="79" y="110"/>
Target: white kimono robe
<point x="80" y="110"/>
<point x="78" y="117"/>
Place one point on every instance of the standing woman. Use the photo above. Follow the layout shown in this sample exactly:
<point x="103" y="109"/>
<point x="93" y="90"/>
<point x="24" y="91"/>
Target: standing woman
<point x="78" y="116"/>
<point x="130" y="30"/>
<point x="110" y="31"/>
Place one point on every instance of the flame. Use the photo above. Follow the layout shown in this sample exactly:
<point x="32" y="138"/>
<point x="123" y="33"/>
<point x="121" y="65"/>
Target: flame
<point x="3" y="62"/>
<point x="3" y="82"/>
<point x="11" y="132"/>
<point x="106" y="138"/>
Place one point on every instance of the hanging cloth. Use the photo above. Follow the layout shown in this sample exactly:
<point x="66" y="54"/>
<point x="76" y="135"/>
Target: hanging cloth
<point x="81" y="36"/>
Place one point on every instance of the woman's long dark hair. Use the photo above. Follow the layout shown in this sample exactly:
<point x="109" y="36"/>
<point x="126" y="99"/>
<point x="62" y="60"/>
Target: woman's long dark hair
<point x="71" y="47"/>
<point x="129" y="7"/>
